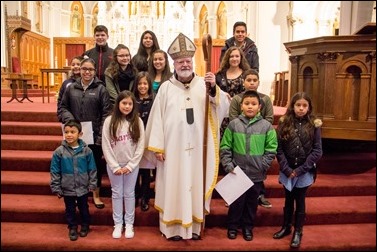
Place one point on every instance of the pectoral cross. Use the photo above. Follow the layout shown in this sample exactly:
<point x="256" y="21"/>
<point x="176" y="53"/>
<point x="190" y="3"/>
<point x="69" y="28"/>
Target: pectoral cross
<point x="189" y="148"/>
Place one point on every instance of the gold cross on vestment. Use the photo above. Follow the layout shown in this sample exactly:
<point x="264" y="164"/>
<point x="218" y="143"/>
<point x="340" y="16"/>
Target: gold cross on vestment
<point x="189" y="148"/>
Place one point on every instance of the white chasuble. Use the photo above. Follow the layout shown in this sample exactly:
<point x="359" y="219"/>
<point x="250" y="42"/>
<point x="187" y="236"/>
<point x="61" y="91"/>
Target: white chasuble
<point x="179" y="180"/>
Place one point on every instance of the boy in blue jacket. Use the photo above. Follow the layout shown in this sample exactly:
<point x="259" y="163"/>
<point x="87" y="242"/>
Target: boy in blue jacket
<point x="73" y="174"/>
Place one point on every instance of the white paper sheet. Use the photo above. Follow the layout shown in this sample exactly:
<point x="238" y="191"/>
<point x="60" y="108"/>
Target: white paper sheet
<point x="87" y="130"/>
<point x="233" y="186"/>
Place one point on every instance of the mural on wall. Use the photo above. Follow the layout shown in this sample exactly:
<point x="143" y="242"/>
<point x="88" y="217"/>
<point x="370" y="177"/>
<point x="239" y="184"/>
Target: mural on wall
<point x="203" y="17"/>
<point x="221" y="21"/>
<point x="77" y="24"/>
<point x="95" y="16"/>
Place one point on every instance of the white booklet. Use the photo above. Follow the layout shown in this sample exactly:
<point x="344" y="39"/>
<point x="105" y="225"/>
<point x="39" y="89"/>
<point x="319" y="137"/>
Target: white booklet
<point x="87" y="130"/>
<point x="233" y="185"/>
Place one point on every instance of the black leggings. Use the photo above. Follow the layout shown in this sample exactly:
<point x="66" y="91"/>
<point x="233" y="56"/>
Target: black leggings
<point x="142" y="186"/>
<point x="298" y="195"/>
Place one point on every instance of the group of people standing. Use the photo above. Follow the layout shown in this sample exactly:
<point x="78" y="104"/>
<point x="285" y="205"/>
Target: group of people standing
<point x="146" y="118"/>
<point x="109" y="91"/>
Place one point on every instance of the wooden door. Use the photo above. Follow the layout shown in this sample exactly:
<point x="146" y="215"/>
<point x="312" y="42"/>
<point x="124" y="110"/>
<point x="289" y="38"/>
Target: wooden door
<point x="73" y="50"/>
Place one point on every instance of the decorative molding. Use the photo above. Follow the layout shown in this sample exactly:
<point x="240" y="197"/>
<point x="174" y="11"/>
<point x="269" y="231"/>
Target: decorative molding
<point x="18" y="22"/>
<point x="327" y="56"/>
<point x="74" y="40"/>
<point x="372" y="56"/>
<point x="294" y="59"/>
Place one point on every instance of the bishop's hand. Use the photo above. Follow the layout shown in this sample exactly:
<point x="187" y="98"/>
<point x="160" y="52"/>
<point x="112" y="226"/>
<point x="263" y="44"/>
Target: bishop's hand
<point x="210" y="79"/>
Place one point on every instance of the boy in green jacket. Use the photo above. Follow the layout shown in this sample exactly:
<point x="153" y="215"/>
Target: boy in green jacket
<point x="249" y="142"/>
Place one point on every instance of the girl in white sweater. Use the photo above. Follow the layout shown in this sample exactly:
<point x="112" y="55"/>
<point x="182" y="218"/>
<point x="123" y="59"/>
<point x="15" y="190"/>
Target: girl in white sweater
<point x="123" y="147"/>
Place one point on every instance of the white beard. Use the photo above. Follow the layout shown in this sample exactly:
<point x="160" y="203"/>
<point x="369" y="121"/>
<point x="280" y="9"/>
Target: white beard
<point x="184" y="74"/>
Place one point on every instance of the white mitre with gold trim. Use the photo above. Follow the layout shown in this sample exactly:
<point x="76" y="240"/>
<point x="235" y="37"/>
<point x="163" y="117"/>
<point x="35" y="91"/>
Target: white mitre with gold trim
<point x="182" y="47"/>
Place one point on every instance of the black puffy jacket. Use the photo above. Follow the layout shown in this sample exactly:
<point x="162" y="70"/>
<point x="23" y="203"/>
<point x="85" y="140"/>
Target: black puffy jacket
<point x="93" y="105"/>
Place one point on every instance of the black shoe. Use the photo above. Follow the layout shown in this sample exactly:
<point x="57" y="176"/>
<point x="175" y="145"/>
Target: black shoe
<point x="284" y="231"/>
<point x="247" y="234"/>
<point x="262" y="201"/>
<point x="73" y="234"/>
<point x="232" y="234"/>
<point x="195" y="237"/>
<point x="175" y="238"/>
<point x="144" y="205"/>
<point x="84" y="230"/>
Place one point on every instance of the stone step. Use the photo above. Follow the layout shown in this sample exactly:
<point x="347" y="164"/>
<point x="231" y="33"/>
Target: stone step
<point x="31" y="128"/>
<point x="21" y="182"/>
<point x="320" y="211"/>
<point x="344" y="237"/>
<point x="29" y="116"/>
<point x="30" y="142"/>
<point x="39" y="160"/>
<point x="26" y="160"/>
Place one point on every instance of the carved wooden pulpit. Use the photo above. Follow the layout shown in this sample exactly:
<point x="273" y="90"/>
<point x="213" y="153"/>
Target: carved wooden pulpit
<point x="339" y="74"/>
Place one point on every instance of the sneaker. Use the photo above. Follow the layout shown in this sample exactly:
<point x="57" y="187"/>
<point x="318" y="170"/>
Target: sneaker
<point x="73" y="234"/>
<point x="262" y="201"/>
<point x="117" y="233"/>
<point x="129" y="233"/>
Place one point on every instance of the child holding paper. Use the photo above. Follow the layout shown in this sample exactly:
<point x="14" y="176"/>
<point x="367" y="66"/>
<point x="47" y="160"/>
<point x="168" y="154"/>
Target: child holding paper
<point x="251" y="82"/>
<point x="249" y="142"/>
<point x="87" y="100"/>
